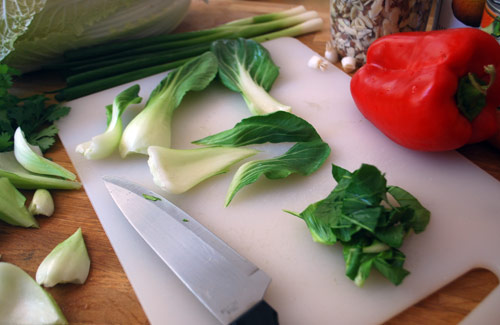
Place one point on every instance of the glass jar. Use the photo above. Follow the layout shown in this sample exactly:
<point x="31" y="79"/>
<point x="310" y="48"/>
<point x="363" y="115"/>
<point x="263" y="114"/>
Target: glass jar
<point x="490" y="22"/>
<point x="355" y="24"/>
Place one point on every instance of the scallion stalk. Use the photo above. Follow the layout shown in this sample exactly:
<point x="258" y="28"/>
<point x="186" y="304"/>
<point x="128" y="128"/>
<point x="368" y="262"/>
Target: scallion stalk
<point x="101" y="67"/>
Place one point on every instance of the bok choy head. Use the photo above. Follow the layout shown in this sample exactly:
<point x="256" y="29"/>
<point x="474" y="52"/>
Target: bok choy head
<point x="152" y="125"/>
<point x="246" y="67"/>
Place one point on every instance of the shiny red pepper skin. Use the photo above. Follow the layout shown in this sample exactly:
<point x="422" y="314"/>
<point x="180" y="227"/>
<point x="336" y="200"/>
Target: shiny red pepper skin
<point x="407" y="87"/>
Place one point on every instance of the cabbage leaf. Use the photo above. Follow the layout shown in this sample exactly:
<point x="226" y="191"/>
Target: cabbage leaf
<point x="36" y="32"/>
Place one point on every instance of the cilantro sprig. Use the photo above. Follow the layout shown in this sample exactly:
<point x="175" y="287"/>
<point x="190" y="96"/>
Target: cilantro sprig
<point x="370" y="220"/>
<point x="33" y="114"/>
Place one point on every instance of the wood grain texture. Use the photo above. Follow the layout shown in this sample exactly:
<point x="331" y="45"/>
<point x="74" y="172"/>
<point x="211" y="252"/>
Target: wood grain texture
<point x="107" y="296"/>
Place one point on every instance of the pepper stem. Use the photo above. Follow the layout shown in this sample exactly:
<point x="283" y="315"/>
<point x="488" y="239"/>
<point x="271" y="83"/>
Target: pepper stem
<point x="489" y="69"/>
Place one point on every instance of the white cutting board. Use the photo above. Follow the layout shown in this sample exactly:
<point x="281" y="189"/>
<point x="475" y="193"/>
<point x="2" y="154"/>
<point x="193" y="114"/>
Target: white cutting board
<point x="308" y="282"/>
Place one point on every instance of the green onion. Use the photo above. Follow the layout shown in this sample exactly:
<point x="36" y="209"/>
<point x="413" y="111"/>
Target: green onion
<point x="97" y="68"/>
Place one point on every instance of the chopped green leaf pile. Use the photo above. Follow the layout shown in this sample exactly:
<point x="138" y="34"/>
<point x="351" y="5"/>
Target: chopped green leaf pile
<point x="32" y="114"/>
<point x="370" y="220"/>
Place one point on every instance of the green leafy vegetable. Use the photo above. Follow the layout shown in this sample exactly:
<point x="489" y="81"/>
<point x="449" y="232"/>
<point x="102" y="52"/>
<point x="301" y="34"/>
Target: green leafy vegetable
<point x="103" y="145"/>
<point x="152" y="125"/>
<point x="246" y="67"/>
<point x="35" y="163"/>
<point x="40" y="31"/>
<point x="32" y="114"/>
<point x="23" y="301"/>
<point x="68" y="262"/>
<point x="275" y="128"/>
<point x="12" y="208"/>
<point x="305" y="157"/>
<point x="24" y="179"/>
<point x="177" y="171"/>
<point x="360" y="215"/>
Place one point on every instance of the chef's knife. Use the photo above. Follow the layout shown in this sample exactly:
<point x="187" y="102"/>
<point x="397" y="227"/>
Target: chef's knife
<point x="226" y="283"/>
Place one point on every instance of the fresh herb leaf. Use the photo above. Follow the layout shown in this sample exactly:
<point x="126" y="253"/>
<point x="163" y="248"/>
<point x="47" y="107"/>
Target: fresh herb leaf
<point x="358" y="214"/>
<point x="151" y="197"/>
<point x="32" y="114"/>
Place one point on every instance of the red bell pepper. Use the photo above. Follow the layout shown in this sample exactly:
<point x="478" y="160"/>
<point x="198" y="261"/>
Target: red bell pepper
<point x="431" y="91"/>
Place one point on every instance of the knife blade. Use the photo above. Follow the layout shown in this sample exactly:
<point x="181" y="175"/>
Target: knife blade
<point x="226" y="283"/>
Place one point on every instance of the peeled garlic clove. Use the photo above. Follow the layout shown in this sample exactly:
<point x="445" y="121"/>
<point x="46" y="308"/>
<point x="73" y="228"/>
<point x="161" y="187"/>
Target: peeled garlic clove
<point x="348" y="64"/>
<point x="317" y="62"/>
<point x="331" y="53"/>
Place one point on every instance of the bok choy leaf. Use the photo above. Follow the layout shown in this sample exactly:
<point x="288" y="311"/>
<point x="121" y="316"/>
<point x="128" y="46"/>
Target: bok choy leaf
<point x="34" y="162"/>
<point x="305" y="157"/>
<point x="152" y="125"/>
<point x="24" y="179"/>
<point x="370" y="220"/>
<point x="103" y="145"/>
<point x="246" y="67"/>
<point x="23" y="301"/>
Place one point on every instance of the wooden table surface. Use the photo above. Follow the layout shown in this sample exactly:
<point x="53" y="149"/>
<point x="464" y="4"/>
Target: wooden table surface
<point x="107" y="296"/>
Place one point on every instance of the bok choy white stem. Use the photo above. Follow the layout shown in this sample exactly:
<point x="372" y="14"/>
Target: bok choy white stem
<point x="68" y="262"/>
<point x="103" y="145"/>
<point x="34" y="162"/>
<point x="176" y="171"/>
<point x="152" y="125"/>
<point x="12" y="208"/>
<point x="23" y="301"/>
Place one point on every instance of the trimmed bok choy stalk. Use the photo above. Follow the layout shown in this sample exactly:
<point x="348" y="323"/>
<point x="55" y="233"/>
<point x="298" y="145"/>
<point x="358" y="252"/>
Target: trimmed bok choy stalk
<point x="12" y="208"/>
<point x="42" y="203"/>
<point x="246" y="67"/>
<point x="103" y="145"/>
<point x="176" y="171"/>
<point x="23" y="301"/>
<point x="305" y="157"/>
<point x="34" y="162"/>
<point x="24" y="179"/>
<point x="68" y="262"/>
<point x="152" y="125"/>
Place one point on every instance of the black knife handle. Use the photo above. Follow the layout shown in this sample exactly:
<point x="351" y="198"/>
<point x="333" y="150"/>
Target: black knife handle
<point x="261" y="314"/>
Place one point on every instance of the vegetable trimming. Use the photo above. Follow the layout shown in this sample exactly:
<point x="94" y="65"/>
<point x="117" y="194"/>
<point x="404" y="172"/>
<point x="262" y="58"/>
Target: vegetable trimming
<point x="12" y="206"/>
<point x="23" y="301"/>
<point x="369" y="219"/>
<point x="103" y="145"/>
<point x="34" y="162"/>
<point x="24" y="179"/>
<point x="305" y="157"/>
<point x="98" y="68"/>
<point x="152" y="125"/>
<point x="68" y="262"/>
<point x="178" y="170"/>
<point x="246" y="67"/>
